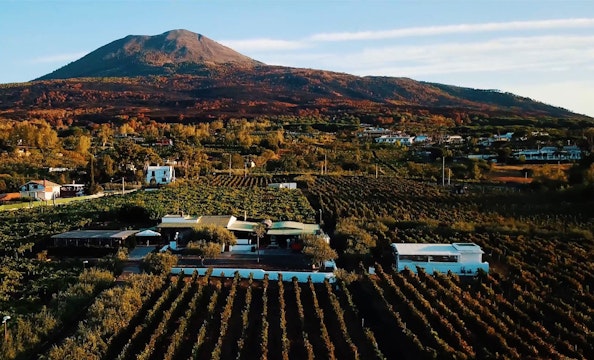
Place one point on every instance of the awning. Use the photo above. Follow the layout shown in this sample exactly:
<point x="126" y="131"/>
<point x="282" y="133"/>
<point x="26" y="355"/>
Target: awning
<point x="147" y="233"/>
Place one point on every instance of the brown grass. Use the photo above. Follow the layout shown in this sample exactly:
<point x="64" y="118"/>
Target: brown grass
<point x="515" y="173"/>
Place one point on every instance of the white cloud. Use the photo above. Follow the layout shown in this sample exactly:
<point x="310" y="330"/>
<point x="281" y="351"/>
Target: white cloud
<point x="58" y="58"/>
<point x="538" y="53"/>
<point x="263" y="44"/>
<point x="456" y="29"/>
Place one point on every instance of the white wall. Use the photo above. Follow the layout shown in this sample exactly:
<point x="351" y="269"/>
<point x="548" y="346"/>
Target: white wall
<point x="258" y="274"/>
<point x="456" y="268"/>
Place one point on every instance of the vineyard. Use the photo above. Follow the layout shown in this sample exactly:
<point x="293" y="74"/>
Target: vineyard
<point x="540" y="251"/>
<point x="21" y="230"/>
<point x="385" y="316"/>
<point x="536" y="302"/>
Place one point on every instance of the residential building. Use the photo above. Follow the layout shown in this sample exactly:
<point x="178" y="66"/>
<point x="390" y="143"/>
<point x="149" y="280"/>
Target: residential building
<point x="454" y="139"/>
<point x="374" y="132"/>
<point x="40" y="190"/>
<point x="550" y="153"/>
<point x="496" y="138"/>
<point x="160" y="175"/>
<point x="72" y="190"/>
<point x="422" y="139"/>
<point x="395" y="139"/>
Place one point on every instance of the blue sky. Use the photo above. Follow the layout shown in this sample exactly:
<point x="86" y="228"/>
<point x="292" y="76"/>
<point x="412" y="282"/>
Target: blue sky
<point x="539" y="49"/>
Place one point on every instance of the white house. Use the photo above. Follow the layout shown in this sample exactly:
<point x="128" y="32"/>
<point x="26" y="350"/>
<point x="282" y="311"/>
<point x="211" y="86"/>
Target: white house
<point x="550" y="153"/>
<point x="422" y="138"/>
<point x="454" y="139"/>
<point x="40" y="190"/>
<point x="396" y="139"/>
<point x="496" y="138"/>
<point x="374" y="132"/>
<point x="459" y="258"/>
<point x="159" y="175"/>
<point x="287" y="185"/>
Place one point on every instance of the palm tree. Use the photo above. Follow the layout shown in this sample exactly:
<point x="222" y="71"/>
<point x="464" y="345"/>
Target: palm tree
<point x="260" y="231"/>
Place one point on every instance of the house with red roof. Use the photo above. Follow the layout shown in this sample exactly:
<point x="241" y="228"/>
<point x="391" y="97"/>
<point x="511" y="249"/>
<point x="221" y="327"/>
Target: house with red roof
<point x="40" y="190"/>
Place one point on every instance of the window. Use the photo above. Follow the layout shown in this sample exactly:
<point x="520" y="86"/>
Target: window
<point x="416" y="258"/>
<point x="443" y="258"/>
<point x="153" y="173"/>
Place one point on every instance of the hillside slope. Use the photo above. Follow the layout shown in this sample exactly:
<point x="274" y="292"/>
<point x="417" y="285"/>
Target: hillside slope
<point x="183" y="75"/>
<point x="173" y="52"/>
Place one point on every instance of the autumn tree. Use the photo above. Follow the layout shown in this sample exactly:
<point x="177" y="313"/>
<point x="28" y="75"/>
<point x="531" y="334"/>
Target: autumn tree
<point x="125" y="129"/>
<point x="83" y="144"/>
<point x="317" y="248"/>
<point x="106" y="166"/>
<point x="209" y="250"/>
<point x="214" y="234"/>
<point x="350" y="237"/>
<point x="105" y="134"/>
<point x="158" y="263"/>
<point x="191" y="158"/>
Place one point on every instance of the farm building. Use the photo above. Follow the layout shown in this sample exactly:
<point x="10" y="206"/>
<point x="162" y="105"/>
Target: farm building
<point x="280" y="233"/>
<point x="459" y="258"/>
<point x="93" y="238"/>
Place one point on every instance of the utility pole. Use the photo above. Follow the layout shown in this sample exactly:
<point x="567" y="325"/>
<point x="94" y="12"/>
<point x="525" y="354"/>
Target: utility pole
<point x="123" y="185"/>
<point x="449" y="175"/>
<point x="443" y="170"/>
<point x="229" y="164"/>
<point x="5" y="322"/>
<point x="325" y="164"/>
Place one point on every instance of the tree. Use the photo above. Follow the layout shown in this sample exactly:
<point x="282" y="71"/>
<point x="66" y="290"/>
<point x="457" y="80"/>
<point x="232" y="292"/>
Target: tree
<point x="209" y="250"/>
<point x="83" y="144"/>
<point x="589" y="136"/>
<point x="214" y="234"/>
<point x="316" y="247"/>
<point x="94" y="188"/>
<point x="352" y="238"/>
<point x="191" y="158"/>
<point x="107" y="165"/>
<point x="159" y="263"/>
<point x="46" y="139"/>
<point x="259" y="230"/>
<point x="104" y="134"/>
<point x="125" y="129"/>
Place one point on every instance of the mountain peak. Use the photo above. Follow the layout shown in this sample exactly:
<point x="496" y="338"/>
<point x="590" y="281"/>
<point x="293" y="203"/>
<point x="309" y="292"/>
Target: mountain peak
<point x="175" y="51"/>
